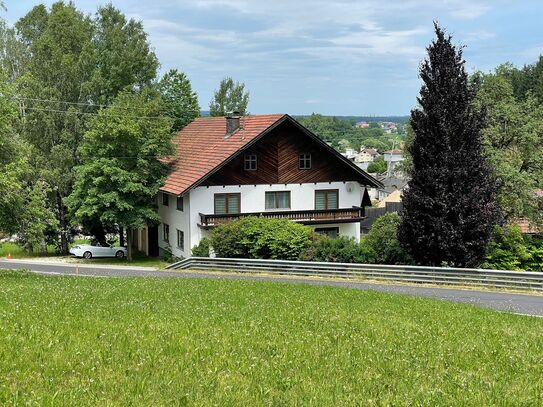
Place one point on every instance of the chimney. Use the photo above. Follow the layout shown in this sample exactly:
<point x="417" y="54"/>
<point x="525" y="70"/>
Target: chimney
<point x="232" y="123"/>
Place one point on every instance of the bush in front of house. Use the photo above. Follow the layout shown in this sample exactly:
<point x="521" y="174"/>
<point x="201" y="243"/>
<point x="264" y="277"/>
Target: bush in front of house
<point x="509" y="249"/>
<point x="337" y="250"/>
<point x="202" y="248"/>
<point x="381" y="245"/>
<point x="261" y="238"/>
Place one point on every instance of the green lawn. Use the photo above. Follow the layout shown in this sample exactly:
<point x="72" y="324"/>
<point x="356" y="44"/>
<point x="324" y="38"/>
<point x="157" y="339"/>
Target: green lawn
<point x="17" y="252"/>
<point x="97" y="341"/>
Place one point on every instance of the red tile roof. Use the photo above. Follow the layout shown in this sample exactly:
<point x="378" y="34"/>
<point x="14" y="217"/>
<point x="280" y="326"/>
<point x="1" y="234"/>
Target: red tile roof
<point x="202" y="146"/>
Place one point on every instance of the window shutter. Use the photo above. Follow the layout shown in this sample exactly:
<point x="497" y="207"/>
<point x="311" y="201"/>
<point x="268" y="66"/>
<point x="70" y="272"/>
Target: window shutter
<point x="284" y="199"/>
<point x="332" y="200"/>
<point x="233" y="203"/>
<point x="220" y="204"/>
<point x="320" y="200"/>
<point x="270" y="200"/>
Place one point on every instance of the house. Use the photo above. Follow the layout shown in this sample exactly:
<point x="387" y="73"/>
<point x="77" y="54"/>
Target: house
<point x="350" y="154"/>
<point x="263" y="165"/>
<point x="363" y="125"/>
<point x="367" y="155"/>
<point x="393" y="158"/>
<point x="392" y="188"/>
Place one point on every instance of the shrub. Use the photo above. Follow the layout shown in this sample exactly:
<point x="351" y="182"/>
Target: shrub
<point x="261" y="238"/>
<point x="337" y="250"/>
<point x="509" y="250"/>
<point x="381" y="244"/>
<point x="202" y="248"/>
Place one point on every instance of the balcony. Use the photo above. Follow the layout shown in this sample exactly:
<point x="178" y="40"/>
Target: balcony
<point x="309" y="217"/>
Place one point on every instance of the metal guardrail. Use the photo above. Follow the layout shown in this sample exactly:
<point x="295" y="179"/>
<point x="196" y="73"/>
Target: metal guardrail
<point x="412" y="274"/>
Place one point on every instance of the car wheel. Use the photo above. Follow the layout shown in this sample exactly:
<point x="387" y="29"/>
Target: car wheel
<point x="119" y="254"/>
<point x="87" y="255"/>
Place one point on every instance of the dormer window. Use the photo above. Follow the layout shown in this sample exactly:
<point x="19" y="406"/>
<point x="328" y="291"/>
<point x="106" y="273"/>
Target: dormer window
<point x="305" y="161"/>
<point x="250" y="162"/>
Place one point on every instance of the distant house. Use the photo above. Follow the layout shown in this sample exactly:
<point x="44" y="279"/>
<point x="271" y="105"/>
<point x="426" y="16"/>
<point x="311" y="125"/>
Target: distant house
<point x="391" y="186"/>
<point x="264" y="165"/>
<point x="526" y="227"/>
<point x="367" y="155"/>
<point x="389" y="127"/>
<point x="393" y="158"/>
<point x="350" y="154"/>
<point x="363" y="125"/>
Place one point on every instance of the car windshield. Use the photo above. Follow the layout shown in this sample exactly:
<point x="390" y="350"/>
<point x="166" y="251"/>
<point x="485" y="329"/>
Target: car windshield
<point x="98" y="244"/>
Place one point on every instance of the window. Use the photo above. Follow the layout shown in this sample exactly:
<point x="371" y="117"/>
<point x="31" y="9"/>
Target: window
<point x="166" y="232"/>
<point x="278" y="200"/>
<point x="227" y="204"/>
<point x="165" y="199"/>
<point x="330" y="232"/>
<point x="250" y="162"/>
<point x="326" y="199"/>
<point x="305" y="161"/>
<point x="179" y="203"/>
<point x="181" y="240"/>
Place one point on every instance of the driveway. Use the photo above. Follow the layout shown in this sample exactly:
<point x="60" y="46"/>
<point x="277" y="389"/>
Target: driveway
<point x="526" y="304"/>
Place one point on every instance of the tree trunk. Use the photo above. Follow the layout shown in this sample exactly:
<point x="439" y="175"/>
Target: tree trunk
<point x="129" y="241"/>
<point x="63" y="225"/>
<point x="121" y="236"/>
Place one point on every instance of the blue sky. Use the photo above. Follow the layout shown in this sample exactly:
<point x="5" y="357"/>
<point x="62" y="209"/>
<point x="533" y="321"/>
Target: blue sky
<point x="341" y="57"/>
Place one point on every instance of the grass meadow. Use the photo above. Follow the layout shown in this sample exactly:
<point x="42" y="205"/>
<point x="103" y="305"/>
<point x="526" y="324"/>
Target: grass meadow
<point x="84" y="341"/>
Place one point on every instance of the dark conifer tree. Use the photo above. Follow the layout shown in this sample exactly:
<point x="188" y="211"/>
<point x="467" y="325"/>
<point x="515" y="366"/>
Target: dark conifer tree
<point x="450" y="207"/>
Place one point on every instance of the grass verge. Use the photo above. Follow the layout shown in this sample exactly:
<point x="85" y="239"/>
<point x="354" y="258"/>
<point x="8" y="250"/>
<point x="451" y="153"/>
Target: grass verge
<point x="16" y="251"/>
<point x="93" y="341"/>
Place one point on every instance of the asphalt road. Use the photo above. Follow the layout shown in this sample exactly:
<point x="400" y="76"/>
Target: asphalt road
<point x="525" y="304"/>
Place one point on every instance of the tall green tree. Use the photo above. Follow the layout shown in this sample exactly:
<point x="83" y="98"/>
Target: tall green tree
<point x="123" y="55"/>
<point x="121" y="170"/>
<point x="23" y="209"/>
<point x="71" y="64"/>
<point x="230" y="97"/>
<point x="450" y="207"/>
<point x="61" y="64"/>
<point x="514" y="141"/>
<point x="180" y="101"/>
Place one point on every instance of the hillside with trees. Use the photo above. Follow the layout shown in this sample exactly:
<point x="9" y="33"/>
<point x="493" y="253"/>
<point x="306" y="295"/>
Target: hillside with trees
<point x="342" y="133"/>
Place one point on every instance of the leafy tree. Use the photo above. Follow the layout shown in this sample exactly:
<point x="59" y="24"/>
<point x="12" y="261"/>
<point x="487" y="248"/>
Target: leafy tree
<point x="71" y="63"/>
<point x="507" y="250"/>
<point x="381" y="244"/>
<point x="61" y="64"/>
<point x="450" y="207"/>
<point x="12" y="55"/>
<point x="335" y="129"/>
<point x="181" y="102"/>
<point x="123" y="55"/>
<point x="514" y="142"/>
<point x="121" y="170"/>
<point x="10" y="185"/>
<point x="230" y="97"/>
<point x="378" y="165"/>
<point x="22" y="199"/>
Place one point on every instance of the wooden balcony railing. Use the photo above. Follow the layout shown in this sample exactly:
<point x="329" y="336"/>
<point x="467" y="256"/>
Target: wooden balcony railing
<point x="308" y="217"/>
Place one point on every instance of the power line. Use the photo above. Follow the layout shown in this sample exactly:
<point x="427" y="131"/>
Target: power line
<point x="95" y="114"/>
<point x="21" y="98"/>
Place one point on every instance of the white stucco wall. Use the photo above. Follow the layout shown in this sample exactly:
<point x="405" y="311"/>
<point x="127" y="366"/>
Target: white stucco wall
<point x="302" y="197"/>
<point x="177" y="220"/>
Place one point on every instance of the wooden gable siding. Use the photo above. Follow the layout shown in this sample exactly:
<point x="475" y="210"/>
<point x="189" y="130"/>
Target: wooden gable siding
<point x="278" y="162"/>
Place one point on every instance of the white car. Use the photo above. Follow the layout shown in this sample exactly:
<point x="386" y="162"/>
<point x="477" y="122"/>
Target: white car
<point x="88" y="251"/>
